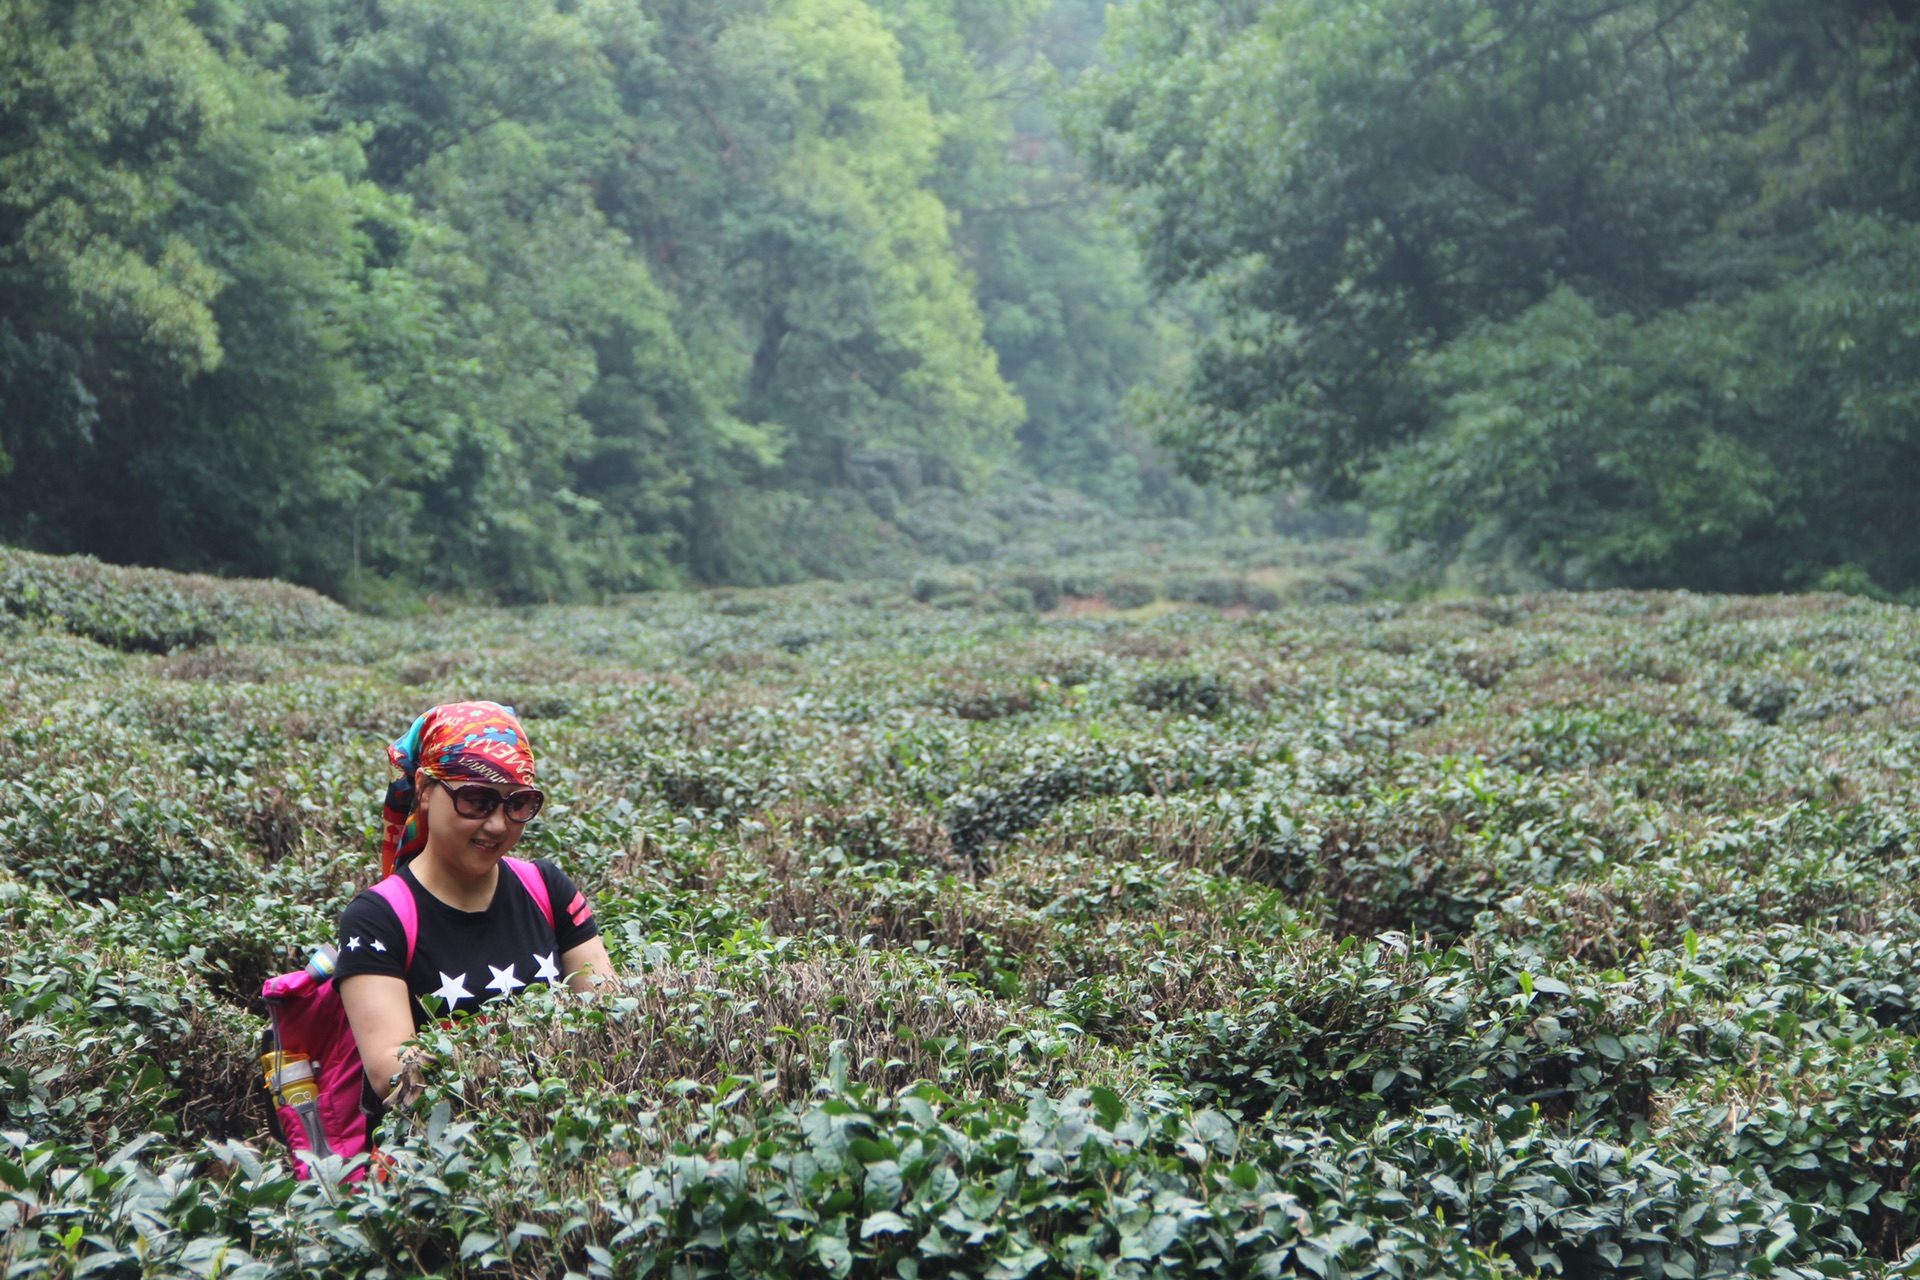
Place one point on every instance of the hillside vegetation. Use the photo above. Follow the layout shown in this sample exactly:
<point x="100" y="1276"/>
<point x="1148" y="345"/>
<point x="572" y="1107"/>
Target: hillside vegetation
<point x="152" y="610"/>
<point x="1563" y="935"/>
<point x="1589" y="295"/>
<point x="539" y="299"/>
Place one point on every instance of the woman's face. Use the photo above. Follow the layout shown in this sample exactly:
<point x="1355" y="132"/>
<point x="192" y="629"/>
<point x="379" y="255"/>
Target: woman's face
<point x="470" y="846"/>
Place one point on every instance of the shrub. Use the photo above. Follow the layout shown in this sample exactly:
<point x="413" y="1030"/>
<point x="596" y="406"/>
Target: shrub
<point x="153" y="611"/>
<point x="1263" y="598"/>
<point x="103" y="1048"/>
<point x="1016" y="600"/>
<point x="1042" y="588"/>
<point x="1457" y="937"/>
<point x="1191" y="693"/>
<point x="1765" y="698"/>
<point x="1131" y="593"/>
<point x="1216" y="590"/>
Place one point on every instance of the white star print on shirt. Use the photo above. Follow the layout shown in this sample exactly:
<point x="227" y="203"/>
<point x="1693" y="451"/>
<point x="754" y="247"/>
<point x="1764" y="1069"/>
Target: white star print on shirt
<point x="453" y="990"/>
<point x="379" y="945"/>
<point x="548" y="970"/>
<point x="503" y="980"/>
<point x="353" y="943"/>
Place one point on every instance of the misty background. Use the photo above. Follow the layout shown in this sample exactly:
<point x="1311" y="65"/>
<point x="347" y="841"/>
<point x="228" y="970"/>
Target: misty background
<point x="556" y="298"/>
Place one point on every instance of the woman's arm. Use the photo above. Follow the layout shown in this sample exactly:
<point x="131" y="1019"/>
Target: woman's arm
<point x="382" y="1021"/>
<point x="587" y="965"/>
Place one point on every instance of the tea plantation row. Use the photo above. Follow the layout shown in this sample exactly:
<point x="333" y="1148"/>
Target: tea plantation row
<point x="1563" y="935"/>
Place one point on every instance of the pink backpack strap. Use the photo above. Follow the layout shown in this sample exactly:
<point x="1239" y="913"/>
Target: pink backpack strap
<point x="536" y="885"/>
<point x="400" y="898"/>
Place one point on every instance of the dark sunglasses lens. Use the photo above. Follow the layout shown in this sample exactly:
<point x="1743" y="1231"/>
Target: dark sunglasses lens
<point x="522" y="805"/>
<point x="475" y="802"/>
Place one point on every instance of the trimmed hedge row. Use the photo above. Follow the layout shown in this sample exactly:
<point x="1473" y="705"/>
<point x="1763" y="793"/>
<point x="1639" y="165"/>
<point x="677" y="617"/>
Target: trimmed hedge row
<point x="154" y="611"/>
<point x="1559" y="935"/>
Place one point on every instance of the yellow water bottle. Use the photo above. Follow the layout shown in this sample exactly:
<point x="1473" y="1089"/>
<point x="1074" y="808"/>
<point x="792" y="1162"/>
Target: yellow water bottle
<point x="290" y="1077"/>
<point x="291" y="1080"/>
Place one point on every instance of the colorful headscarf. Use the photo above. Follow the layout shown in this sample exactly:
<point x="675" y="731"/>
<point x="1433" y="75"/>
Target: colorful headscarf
<point x="456" y="742"/>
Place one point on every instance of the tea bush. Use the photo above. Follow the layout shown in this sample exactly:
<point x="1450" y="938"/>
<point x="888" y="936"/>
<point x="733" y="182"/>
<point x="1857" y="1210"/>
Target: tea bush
<point x="151" y="611"/>
<point x="1567" y="935"/>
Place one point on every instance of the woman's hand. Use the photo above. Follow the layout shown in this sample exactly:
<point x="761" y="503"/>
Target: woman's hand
<point x="408" y="1085"/>
<point x="587" y="965"/>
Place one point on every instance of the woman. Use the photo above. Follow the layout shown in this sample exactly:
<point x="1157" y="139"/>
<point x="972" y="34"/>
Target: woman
<point x="464" y="795"/>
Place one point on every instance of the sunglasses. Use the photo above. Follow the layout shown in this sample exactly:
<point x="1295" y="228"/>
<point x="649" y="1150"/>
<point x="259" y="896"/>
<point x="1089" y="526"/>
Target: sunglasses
<point x="480" y="802"/>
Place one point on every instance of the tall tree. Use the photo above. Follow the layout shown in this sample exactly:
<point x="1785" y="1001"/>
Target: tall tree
<point x="103" y="110"/>
<point x="1476" y="256"/>
<point x="1068" y="310"/>
<point x="176" y="260"/>
<point x="530" y="299"/>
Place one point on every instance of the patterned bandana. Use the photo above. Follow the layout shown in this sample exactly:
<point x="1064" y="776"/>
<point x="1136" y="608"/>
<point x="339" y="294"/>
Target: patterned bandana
<point x="457" y="742"/>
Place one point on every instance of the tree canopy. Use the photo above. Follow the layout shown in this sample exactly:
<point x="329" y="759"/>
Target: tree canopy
<point x="531" y="299"/>
<point x="559" y="297"/>
<point x="1624" y="292"/>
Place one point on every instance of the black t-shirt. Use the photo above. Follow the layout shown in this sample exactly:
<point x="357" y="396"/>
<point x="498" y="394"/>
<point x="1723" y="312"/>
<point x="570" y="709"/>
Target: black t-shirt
<point x="466" y="958"/>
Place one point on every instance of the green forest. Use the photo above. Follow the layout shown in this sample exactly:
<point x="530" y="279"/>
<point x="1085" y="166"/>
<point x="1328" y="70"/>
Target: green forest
<point x="552" y="299"/>
<point x="539" y="300"/>
<point x="1591" y="293"/>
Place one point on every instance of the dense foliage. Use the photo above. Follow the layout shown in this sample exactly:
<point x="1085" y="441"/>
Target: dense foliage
<point x="154" y="612"/>
<point x="1535" y="935"/>
<point x="1621" y="293"/>
<point x="540" y="299"/>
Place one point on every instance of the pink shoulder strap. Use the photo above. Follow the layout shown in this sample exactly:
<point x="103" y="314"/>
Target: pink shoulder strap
<point x="400" y="898"/>
<point x="536" y="885"/>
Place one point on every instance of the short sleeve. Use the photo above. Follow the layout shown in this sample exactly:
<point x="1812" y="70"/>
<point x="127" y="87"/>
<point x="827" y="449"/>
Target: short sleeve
<point x="371" y="939"/>
<point x="573" y="921"/>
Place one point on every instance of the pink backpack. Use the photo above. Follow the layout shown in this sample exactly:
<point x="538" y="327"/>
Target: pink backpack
<point x="307" y="1017"/>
